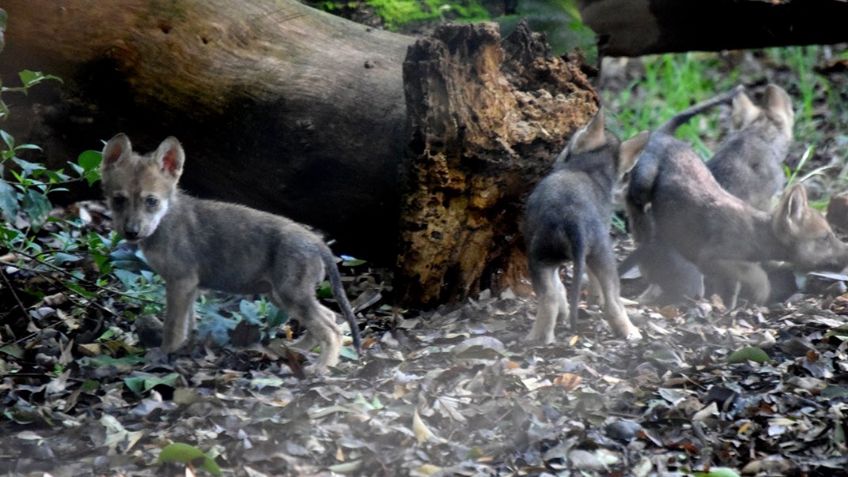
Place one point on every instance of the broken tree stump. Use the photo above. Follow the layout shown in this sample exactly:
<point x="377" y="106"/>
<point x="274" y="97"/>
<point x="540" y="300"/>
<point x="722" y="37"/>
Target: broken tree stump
<point x="486" y="117"/>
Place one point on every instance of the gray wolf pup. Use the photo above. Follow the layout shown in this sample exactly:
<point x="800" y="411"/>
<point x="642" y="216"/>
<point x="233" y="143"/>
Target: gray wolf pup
<point x="197" y="244"/>
<point x="673" y="195"/>
<point x="748" y="163"/>
<point x="568" y="217"/>
<point x="672" y="278"/>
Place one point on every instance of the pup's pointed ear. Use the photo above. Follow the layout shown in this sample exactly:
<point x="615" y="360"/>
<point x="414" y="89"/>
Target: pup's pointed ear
<point x="170" y="157"/>
<point x="779" y="103"/>
<point x="630" y="150"/>
<point x="590" y="136"/>
<point x="796" y="202"/>
<point x="744" y="111"/>
<point x="116" y="149"/>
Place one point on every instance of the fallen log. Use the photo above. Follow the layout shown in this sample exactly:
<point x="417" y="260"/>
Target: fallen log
<point x="418" y="159"/>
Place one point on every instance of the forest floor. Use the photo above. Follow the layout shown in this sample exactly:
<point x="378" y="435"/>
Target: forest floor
<point x="455" y="391"/>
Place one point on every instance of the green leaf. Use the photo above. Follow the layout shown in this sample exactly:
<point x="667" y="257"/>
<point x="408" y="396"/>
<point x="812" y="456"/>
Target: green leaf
<point x="349" y="353"/>
<point x="718" y="472"/>
<point x="37" y="206"/>
<point x="76" y="288"/>
<point x="90" y="159"/>
<point x="31" y="78"/>
<point x="61" y="257"/>
<point x="123" y="364"/>
<point x="143" y="382"/>
<point x="188" y="454"/>
<point x="8" y="139"/>
<point x="750" y="353"/>
<point x="31" y="147"/>
<point x="354" y="262"/>
<point x="28" y="167"/>
<point x="324" y="290"/>
<point x="13" y="349"/>
<point x="9" y="205"/>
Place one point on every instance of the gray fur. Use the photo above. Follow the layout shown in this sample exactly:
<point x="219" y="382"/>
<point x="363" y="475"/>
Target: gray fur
<point x="567" y="218"/>
<point x="196" y="243"/>
<point x="749" y="162"/>
<point x="672" y="278"/>
<point x="673" y="195"/>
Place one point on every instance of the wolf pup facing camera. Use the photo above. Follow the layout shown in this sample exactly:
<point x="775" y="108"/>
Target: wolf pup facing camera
<point x="568" y="217"/>
<point x="196" y="243"/>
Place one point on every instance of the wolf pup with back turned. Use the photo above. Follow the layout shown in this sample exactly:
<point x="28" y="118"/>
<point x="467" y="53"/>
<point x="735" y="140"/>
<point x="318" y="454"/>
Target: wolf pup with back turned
<point x="568" y="218"/>
<point x="197" y="243"/>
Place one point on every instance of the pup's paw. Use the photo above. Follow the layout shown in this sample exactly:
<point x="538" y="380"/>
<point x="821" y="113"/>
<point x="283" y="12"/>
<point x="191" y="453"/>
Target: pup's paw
<point x="632" y="334"/>
<point x="540" y="337"/>
<point x="149" y="331"/>
<point x="315" y="369"/>
<point x="156" y="356"/>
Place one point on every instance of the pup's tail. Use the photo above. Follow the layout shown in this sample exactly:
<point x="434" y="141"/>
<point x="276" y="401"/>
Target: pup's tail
<point x="684" y="116"/>
<point x="341" y="297"/>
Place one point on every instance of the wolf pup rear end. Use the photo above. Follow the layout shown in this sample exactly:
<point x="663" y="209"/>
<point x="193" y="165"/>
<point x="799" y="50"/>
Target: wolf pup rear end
<point x="568" y="218"/>
<point x="197" y="243"/>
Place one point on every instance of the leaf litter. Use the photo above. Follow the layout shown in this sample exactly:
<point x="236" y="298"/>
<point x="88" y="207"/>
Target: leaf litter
<point x="455" y="391"/>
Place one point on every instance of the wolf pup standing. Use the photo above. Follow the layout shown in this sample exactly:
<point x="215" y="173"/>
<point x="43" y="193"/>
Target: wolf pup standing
<point x="672" y="278"/>
<point x="197" y="243"/>
<point x="568" y="218"/>
<point x="749" y="162"/>
<point x="674" y="197"/>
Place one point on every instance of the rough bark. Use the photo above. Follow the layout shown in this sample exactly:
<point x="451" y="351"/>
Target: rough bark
<point x="641" y="27"/>
<point x="486" y="119"/>
<point x="279" y="106"/>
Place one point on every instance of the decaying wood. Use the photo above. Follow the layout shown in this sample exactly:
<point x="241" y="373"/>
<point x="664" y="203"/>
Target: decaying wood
<point x="641" y="27"/>
<point x="486" y="119"/>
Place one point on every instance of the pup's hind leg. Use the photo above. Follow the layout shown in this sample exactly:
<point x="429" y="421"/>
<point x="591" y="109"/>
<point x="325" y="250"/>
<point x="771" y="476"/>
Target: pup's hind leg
<point x="552" y="301"/>
<point x="596" y="296"/>
<point x="601" y="264"/>
<point x="319" y="328"/>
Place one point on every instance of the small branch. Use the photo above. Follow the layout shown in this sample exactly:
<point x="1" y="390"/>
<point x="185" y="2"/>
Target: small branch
<point x="67" y="273"/>
<point x="14" y="293"/>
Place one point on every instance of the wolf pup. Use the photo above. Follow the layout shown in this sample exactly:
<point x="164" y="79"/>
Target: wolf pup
<point x="749" y="165"/>
<point x="673" y="195"/>
<point x="197" y="243"/>
<point x="749" y="162"/>
<point x="568" y="217"/>
<point x="672" y="278"/>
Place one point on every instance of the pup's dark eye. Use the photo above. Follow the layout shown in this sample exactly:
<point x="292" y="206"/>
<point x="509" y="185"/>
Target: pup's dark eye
<point x="151" y="201"/>
<point x="119" y="201"/>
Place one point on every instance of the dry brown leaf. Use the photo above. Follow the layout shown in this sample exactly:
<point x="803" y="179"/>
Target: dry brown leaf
<point x="568" y="381"/>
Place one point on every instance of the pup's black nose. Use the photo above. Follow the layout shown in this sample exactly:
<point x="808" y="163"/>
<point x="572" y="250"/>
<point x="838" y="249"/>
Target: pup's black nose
<point x="131" y="234"/>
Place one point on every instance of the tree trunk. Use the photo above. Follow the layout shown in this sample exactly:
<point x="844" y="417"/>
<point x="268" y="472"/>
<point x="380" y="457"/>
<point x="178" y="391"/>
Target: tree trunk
<point x="291" y="110"/>
<point x="641" y="27"/>
<point x="279" y="106"/>
<point x="486" y="119"/>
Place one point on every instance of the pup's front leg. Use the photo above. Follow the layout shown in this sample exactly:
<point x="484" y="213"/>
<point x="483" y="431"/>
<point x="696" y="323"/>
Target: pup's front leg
<point x="179" y="312"/>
